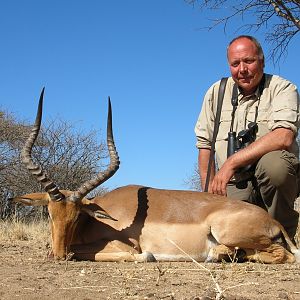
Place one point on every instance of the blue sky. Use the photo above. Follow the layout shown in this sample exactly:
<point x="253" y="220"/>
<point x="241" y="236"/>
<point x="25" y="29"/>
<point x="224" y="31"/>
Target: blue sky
<point x="150" y="57"/>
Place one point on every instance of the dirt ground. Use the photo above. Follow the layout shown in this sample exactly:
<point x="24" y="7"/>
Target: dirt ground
<point x="26" y="273"/>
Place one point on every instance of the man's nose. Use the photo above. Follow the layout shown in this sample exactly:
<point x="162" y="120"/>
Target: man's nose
<point x="243" y="67"/>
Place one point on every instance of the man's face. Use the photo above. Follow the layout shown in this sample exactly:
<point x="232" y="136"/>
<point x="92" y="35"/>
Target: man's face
<point x="245" y="65"/>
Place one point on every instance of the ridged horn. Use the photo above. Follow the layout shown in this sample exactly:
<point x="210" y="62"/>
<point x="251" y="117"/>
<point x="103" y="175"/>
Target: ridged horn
<point x="33" y="168"/>
<point x="89" y="185"/>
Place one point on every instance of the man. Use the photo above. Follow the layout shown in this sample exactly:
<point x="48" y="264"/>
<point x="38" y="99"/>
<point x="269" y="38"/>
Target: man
<point x="272" y="103"/>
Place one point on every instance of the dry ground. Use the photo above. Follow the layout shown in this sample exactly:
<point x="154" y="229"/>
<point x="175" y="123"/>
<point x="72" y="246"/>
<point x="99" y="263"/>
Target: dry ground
<point x="26" y="273"/>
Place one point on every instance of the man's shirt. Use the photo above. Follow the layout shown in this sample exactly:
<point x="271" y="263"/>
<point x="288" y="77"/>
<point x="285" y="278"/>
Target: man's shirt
<point x="277" y="106"/>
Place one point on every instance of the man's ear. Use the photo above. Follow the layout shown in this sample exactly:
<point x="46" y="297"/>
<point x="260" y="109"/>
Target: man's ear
<point x="35" y="199"/>
<point x="96" y="212"/>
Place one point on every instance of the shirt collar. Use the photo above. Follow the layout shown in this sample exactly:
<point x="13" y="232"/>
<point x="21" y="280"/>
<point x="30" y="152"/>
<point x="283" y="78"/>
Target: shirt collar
<point x="254" y="95"/>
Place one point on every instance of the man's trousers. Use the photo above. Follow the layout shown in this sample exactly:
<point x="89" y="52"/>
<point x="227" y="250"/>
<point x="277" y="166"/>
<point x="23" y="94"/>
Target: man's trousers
<point x="274" y="187"/>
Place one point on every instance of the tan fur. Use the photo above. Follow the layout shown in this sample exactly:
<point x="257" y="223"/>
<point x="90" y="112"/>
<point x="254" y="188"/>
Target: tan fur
<point x="163" y="224"/>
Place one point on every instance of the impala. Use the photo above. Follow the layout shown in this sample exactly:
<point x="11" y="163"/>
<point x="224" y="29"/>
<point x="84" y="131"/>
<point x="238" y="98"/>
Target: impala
<point x="138" y="223"/>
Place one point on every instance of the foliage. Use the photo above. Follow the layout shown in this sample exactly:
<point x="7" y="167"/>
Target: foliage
<point x="193" y="181"/>
<point x="281" y="16"/>
<point x="68" y="157"/>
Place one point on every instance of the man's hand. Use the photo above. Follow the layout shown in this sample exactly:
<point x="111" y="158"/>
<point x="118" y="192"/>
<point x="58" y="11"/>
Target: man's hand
<point x="221" y="179"/>
<point x="278" y="139"/>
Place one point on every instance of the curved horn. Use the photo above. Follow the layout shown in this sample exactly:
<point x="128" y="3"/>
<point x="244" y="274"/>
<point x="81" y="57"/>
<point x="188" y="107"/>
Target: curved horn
<point x="89" y="185"/>
<point x="35" y="169"/>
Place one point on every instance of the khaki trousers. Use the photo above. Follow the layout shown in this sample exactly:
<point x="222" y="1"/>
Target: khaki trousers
<point x="274" y="187"/>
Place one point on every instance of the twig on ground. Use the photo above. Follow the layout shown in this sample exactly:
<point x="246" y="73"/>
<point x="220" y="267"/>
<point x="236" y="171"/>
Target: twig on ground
<point x="160" y="273"/>
<point x="219" y="291"/>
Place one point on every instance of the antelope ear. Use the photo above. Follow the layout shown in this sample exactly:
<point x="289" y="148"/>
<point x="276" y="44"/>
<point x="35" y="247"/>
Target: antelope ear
<point x="35" y="199"/>
<point x="97" y="213"/>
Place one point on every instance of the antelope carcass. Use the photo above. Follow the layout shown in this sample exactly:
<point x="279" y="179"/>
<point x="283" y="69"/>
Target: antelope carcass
<point x="138" y="223"/>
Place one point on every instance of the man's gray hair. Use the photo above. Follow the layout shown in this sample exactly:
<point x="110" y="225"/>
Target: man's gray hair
<point x="254" y="41"/>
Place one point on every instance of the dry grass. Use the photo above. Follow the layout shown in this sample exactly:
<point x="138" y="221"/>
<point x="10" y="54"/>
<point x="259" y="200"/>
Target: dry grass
<point x="15" y="230"/>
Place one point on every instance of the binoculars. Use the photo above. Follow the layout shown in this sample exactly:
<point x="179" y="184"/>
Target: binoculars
<point x="242" y="140"/>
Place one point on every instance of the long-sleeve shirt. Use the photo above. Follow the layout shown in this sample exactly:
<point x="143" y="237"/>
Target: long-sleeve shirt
<point x="277" y="106"/>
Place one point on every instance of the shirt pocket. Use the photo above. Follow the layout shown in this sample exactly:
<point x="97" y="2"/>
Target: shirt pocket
<point x="263" y="121"/>
<point x="224" y="126"/>
<point x="262" y="116"/>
